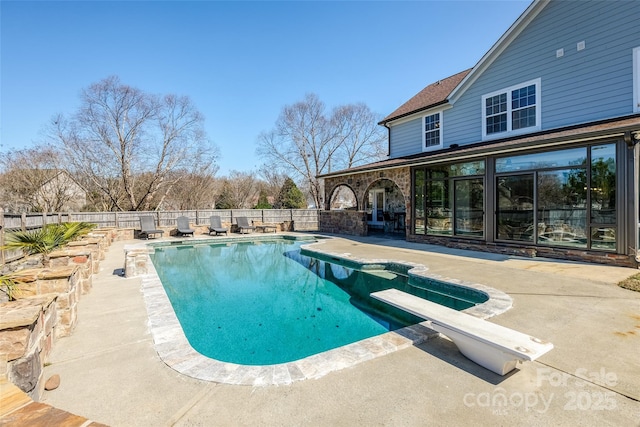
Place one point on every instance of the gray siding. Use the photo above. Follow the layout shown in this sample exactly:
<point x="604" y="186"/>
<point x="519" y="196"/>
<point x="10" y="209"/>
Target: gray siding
<point x="406" y="138"/>
<point x="582" y="86"/>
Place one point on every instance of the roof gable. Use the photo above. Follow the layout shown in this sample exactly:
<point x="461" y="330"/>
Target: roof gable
<point x="431" y="96"/>
<point x="503" y="42"/>
<point x="451" y="88"/>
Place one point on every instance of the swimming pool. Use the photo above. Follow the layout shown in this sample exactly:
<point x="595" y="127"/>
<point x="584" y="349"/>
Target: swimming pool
<point x="268" y="302"/>
<point x="176" y="352"/>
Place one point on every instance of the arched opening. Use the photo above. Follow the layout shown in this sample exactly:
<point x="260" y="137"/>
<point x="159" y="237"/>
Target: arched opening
<point x="343" y="198"/>
<point x="386" y="209"/>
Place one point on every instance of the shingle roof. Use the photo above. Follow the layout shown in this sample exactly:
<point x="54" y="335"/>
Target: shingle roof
<point x="432" y="95"/>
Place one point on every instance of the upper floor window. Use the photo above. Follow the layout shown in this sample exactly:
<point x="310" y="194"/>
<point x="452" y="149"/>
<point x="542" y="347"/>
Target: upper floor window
<point x="432" y="126"/>
<point x="512" y="110"/>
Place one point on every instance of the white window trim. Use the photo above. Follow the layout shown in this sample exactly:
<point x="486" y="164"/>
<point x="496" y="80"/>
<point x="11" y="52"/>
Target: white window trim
<point x="509" y="132"/>
<point x="636" y="80"/>
<point x="424" y="132"/>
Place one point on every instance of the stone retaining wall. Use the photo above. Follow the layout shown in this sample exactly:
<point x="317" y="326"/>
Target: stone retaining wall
<point x="46" y="308"/>
<point x="111" y="234"/>
<point x="27" y="335"/>
<point x="95" y="245"/>
<point x="65" y="282"/>
<point x="80" y="257"/>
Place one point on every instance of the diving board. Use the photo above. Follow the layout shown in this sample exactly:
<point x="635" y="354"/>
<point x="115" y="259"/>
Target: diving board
<point x="492" y="346"/>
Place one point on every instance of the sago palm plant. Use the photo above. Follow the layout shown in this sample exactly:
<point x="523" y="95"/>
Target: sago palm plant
<point x="10" y="285"/>
<point x="46" y="239"/>
<point x="42" y="241"/>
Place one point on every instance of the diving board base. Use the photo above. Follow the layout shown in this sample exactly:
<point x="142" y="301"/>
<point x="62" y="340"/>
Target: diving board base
<point x="484" y="355"/>
<point x="492" y="346"/>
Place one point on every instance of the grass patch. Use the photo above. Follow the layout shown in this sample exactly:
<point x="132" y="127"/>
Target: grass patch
<point x="632" y="283"/>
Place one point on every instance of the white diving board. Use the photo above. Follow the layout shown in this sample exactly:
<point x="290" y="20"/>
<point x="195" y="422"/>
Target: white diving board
<point x="495" y="347"/>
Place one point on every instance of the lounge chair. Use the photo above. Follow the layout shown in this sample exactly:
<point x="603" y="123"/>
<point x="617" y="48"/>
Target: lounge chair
<point x="148" y="226"/>
<point x="183" y="226"/>
<point x="216" y="226"/>
<point x="243" y="224"/>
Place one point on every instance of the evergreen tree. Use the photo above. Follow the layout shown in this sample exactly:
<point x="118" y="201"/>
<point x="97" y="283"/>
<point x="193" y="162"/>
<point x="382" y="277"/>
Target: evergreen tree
<point x="223" y="201"/>
<point x="263" y="202"/>
<point x="290" y="196"/>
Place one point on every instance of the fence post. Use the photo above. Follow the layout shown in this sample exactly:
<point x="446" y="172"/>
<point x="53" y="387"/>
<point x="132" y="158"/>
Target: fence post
<point x="23" y="221"/>
<point x="1" y="235"/>
<point x="115" y="219"/>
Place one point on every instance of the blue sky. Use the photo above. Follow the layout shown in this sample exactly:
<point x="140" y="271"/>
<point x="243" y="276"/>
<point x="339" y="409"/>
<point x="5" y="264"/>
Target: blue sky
<point x="240" y="62"/>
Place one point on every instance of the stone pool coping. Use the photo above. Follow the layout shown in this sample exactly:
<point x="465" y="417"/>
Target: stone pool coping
<point x="174" y="349"/>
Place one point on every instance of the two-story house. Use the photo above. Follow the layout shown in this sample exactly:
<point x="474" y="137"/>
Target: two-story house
<point x="532" y="151"/>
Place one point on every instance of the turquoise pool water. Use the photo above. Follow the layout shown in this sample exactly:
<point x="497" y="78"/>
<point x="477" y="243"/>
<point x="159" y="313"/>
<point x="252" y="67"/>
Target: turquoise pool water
<point x="264" y="302"/>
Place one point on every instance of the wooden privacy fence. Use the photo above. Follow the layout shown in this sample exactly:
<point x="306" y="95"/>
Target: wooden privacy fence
<point x="303" y="220"/>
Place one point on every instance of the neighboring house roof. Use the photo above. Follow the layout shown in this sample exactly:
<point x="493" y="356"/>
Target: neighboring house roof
<point x="431" y="96"/>
<point x="51" y="174"/>
<point x="601" y="129"/>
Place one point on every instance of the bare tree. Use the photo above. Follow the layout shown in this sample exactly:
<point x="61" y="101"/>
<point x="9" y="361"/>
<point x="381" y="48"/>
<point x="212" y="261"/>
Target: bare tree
<point x="33" y="181"/>
<point x="239" y="191"/>
<point x="196" y="191"/>
<point x="306" y="142"/>
<point x="302" y="143"/>
<point x="133" y="147"/>
<point x="272" y="181"/>
<point x="362" y="140"/>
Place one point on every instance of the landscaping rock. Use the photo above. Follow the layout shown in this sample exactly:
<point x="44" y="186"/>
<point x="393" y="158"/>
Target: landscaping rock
<point x="52" y="383"/>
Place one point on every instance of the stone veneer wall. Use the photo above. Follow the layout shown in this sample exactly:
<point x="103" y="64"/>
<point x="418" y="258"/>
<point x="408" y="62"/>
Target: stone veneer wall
<point x="27" y="335"/>
<point x="528" y="251"/>
<point x="355" y="222"/>
<point x="360" y="183"/>
<point x="343" y="222"/>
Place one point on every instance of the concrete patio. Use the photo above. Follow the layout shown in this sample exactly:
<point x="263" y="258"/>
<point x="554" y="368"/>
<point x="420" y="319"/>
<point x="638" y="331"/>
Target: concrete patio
<point x="111" y="373"/>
